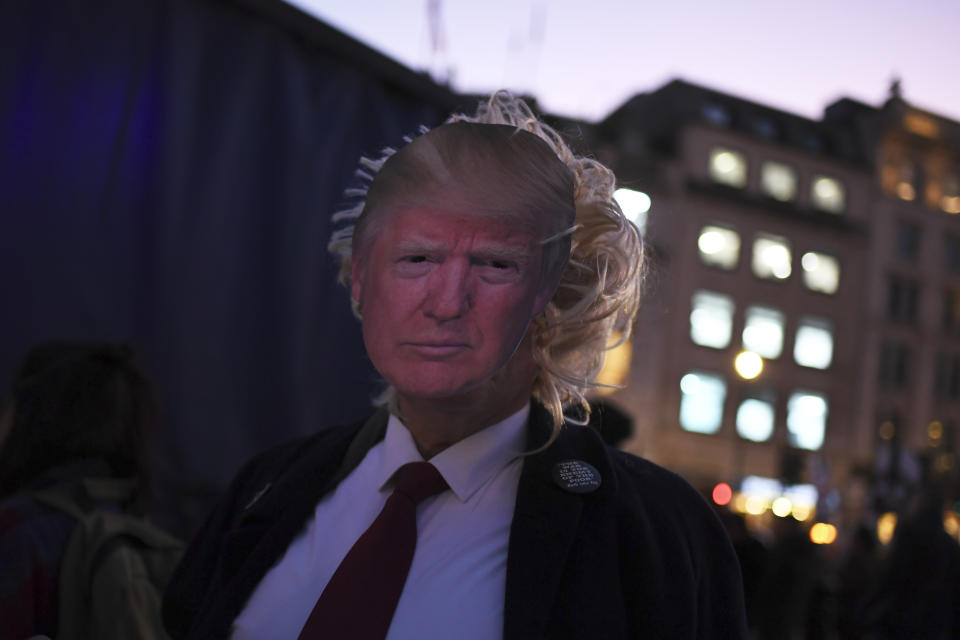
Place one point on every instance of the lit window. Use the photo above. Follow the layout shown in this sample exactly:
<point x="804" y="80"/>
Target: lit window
<point x="820" y="272"/>
<point x="778" y="181"/>
<point x="755" y="419"/>
<point x="719" y="247"/>
<point x="951" y="204"/>
<point x="771" y="258"/>
<point x="827" y="194"/>
<point x="806" y="420"/>
<point x="728" y="167"/>
<point x="950" y="198"/>
<point x="763" y="331"/>
<point x="814" y="344"/>
<point x="701" y="404"/>
<point x="905" y="189"/>
<point x="711" y="319"/>
<point x="921" y="125"/>
<point x="635" y="206"/>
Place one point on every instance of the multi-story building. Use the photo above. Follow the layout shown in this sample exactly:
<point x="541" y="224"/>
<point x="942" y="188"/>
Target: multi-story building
<point x="826" y="249"/>
<point x="909" y="400"/>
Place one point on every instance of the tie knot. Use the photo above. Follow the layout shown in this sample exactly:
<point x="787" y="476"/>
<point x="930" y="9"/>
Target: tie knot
<point x="418" y="481"/>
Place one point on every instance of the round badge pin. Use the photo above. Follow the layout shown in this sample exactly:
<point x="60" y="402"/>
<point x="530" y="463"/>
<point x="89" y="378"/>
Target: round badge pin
<point x="576" y="476"/>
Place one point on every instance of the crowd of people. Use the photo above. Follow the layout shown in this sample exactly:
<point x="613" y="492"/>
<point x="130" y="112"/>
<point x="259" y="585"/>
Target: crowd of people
<point x="864" y="590"/>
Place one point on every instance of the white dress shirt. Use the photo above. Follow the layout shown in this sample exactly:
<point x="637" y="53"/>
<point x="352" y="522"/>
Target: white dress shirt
<point x="455" y="588"/>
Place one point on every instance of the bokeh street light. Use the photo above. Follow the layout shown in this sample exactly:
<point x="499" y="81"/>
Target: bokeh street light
<point x="748" y="364"/>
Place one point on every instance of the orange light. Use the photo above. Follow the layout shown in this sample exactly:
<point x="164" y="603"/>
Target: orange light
<point x="739" y="503"/>
<point x="950" y="204"/>
<point x="950" y="524"/>
<point x="823" y="533"/>
<point x="800" y="512"/>
<point x="616" y="365"/>
<point x="921" y="124"/>
<point x="781" y="507"/>
<point x="886" y="525"/>
<point x="722" y="494"/>
<point x="905" y="191"/>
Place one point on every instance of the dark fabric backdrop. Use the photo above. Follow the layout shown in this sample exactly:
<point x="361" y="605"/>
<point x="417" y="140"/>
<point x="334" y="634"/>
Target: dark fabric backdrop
<point x="167" y="173"/>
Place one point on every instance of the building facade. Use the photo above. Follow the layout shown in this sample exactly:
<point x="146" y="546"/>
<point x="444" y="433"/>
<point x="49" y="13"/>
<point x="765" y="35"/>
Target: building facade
<point x="795" y="241"/>
<point x="911" y="384"/>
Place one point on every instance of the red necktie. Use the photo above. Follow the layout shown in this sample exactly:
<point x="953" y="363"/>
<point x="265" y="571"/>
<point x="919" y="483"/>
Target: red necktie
<point x="359" y="601"/>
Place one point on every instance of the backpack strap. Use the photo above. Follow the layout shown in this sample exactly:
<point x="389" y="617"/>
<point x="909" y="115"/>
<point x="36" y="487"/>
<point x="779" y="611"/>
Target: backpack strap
<point x="80" y="497"/>
<point x="58" y="500"/>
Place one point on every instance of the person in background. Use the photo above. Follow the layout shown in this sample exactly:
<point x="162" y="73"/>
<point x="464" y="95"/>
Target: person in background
<point x="793" y="597"/>
<point x="75" y="411"/>
<point x="917" y="590"/>
<point x="857" y="575"/>
<point x="490" y="266"/>
<point x="752" y="555"/>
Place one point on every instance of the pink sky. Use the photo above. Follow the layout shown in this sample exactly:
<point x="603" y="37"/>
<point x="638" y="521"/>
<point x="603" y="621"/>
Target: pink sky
<point x="585" y="58"/>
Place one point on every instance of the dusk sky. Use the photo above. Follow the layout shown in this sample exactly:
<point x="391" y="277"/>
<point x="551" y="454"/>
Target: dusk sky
<point x="585" y="58"/>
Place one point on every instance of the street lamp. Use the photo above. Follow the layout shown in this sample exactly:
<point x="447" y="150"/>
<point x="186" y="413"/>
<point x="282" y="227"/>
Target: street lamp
<point x="748" y="365"/>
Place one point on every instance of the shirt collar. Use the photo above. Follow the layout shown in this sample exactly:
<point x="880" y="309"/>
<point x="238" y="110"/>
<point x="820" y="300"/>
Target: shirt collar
<point x="466" y="465"/>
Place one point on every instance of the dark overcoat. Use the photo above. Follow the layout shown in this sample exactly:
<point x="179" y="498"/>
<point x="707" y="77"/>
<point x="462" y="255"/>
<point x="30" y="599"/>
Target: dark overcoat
<point x="642" y="556"/>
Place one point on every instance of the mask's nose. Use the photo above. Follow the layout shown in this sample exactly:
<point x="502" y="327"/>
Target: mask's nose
<point x="448" y="295"/>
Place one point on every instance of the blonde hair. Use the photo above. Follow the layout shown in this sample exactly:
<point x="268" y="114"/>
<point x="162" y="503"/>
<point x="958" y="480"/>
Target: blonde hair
<point x="599" y="288"/>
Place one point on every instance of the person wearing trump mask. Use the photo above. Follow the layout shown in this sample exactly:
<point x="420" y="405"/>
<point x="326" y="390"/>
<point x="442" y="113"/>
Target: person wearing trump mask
<point x="490" y="267"/>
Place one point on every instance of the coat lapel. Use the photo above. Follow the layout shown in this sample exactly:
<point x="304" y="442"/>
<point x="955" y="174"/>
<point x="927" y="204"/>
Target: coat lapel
<point x="545" y="525"/>
<point x="287" y="508"/>
<point x="274" y="518"/>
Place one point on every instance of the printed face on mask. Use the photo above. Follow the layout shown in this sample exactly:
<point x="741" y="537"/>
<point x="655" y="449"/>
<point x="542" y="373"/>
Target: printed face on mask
<point x="446" y="298"/>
